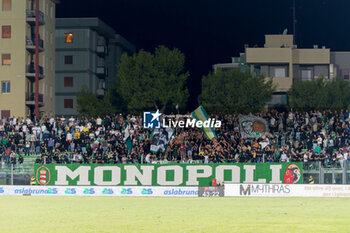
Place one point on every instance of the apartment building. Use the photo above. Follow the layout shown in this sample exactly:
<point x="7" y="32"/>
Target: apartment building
<point x="283" y="62"/>
<point x="87" y="53"/>
<point x="341" y="62"/>
<point x="20" y="24"/>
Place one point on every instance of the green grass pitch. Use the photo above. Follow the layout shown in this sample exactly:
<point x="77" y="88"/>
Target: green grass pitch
<point x="149" y="214"/>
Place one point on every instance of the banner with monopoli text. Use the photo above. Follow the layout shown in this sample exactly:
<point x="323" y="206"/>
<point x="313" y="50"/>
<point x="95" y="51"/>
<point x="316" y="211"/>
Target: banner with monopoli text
<point x="167" y="175"/>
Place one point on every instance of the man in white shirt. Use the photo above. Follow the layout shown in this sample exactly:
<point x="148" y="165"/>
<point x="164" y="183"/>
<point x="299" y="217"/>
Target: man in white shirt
<point x="272" y="122"/>
<point x="284" y="157"/>
<point x="148" y="158"/>
<point x="28" y="121"/>
<point x="71" y="119"/>
<point x="52" y="120"/>
<point x="99" y="121"/>
<point x="340" y="157"/>
<point x="37" y="131"/>
<point x="291" y="116"/>
<point x="43" y="128"/>
<point x="24" y="128"/>
<point x="264" y="143"/>
<point x="69" y="137"/>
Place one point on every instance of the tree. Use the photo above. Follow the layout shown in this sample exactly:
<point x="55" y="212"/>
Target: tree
<point x="147" y="81"/>
<point x="319" y="94"/>
<point x="88" y="104"/>
<point x="234" y="92"/>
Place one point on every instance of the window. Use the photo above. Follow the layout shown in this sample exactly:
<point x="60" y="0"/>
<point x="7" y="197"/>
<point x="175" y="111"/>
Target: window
<point x="6" y="5"/>
<point x="280" y="72"/>
<point x="6" y="32"/>
<point x="6" y="59"/>
<point x="68" y="81"/>
<point x="68" y="60"/>
<point x="5" y="87"/>
<point x="306" y="75"/>
<point x="68" y="38"/>
<point x="345" y="73"/>
<point x="68" y="103"/>
<point x="5" y="114"/>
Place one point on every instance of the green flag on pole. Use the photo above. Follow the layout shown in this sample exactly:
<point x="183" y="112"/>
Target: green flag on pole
<point x="201" y="115"/>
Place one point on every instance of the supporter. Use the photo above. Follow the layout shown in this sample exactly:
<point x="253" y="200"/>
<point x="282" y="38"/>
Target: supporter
<point x="292" y="136"/>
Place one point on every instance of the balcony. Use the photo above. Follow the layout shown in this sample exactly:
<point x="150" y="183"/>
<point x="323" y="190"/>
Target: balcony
<point x="306" y="79"/>
<point x="30" y="17"/>
<point x="30" y="99"/>
<point x="100" y="92"/>
<point x="282" y="84"/>
<point x="101" y="71"/>
<point x="30" y="72"/>
<point x="101" y="50"/>
<point x="30" y="45"/>
<point x="269" y="55"/>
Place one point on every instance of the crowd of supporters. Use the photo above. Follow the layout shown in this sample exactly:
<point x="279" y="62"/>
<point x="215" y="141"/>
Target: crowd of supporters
<point x="293" y="136"/>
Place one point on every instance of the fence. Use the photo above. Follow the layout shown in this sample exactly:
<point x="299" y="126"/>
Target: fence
<point x="338" y="173"/>
<point x="323" y="173"/>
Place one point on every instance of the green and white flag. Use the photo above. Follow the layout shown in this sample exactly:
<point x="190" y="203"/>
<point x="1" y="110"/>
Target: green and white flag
<point x="127" y="136"/>
<point x="160" y="139"/>
<point x="252" y="126"/>
<point x="201" y="115"/>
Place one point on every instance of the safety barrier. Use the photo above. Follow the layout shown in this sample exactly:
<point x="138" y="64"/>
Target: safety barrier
<point x="286" y="190"/>
<point x="117" y="191"/>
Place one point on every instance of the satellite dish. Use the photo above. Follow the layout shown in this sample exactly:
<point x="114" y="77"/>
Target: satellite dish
<point x="285" y="31"/>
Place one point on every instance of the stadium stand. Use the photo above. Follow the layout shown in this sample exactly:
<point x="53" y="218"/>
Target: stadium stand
<point x="293" y="136"/>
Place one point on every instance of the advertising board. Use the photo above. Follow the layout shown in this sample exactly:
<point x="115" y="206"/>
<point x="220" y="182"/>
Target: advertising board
<point x="215" y="191"/>
<point x="286" y="190"/>
<point x="119" y="191"/>
<point x="167" y="175"/>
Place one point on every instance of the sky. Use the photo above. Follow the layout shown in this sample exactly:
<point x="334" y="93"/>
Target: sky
<point x="213" y="31"/>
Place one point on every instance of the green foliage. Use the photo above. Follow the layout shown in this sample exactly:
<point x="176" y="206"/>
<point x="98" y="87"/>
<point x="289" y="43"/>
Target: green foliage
<point x="88" y="104"/>
<point x="147" y="80"/>
<point x="234" y="92"/>
<point x="320" y="94"/>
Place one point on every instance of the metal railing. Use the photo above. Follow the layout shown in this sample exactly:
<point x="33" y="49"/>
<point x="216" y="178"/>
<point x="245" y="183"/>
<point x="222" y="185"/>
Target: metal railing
<point x="101" y="71"/>
<point x="101" y="50"/>
<point x="31" y="69"/>
<point x="31" y="42"/>
<point x="30" y="14"/>
<point x="324" y="173"/>
<point x="31" y="97"/>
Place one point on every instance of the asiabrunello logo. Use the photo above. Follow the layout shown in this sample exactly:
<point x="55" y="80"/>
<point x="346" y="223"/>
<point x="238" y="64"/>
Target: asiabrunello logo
<point x="152" y="120"/>
<point x="89" y="191"/>
<point x="146" y="191"/>
<point x="43" y="175"/>
<point x="126" y="191"/>
<point x="107" y="191"/>
<point x="70" y="191"/>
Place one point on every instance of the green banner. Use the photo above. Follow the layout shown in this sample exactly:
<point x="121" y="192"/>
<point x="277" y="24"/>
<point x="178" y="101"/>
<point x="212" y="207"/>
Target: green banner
<point x="168" y="175"/>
